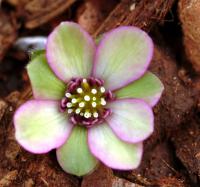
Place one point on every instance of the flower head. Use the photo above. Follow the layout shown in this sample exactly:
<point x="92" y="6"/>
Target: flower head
<point x="91" y="102"/>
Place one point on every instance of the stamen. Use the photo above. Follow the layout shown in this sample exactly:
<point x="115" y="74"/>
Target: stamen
<point x="79" y="90"/>
<point x="87" y="115"/>
<point x="103" y="102"/>
<point x="69" y="105"/>
<point x="94" y="91"/>
<point x="85" y="84"/>
<point x="84" y="80"/>
<point x="87" y="98"/>
<point x="81" y="104"/>
<point x="95" y="114"/>
<point x="78" y="110"/>
<point x="102" y="89"/>
<point x="94" y="104"/>
<point x="68" y="95"/>
<point x="69" y="111"/>
<point x="85" y="101"/>
<point x="74" y="100"/>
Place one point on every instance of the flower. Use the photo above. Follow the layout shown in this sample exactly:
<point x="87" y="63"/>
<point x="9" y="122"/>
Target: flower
<point x="91" y="102"/>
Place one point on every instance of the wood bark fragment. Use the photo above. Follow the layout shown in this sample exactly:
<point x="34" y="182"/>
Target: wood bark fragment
<point x="144" y="15"/>
<point x="8" y="32"/>
<point x="37" y="12"/>
<point x="92" y="13"/>
<point x="103" y="176"/>
<point x="119" y="182"/>
<point x="189" y="11"/>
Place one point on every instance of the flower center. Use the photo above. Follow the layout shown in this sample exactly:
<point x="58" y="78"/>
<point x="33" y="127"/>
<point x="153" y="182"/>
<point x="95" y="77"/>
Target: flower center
<point x="85" y="101"/>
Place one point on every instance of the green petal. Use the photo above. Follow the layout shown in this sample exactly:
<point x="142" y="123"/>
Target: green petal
<point x="74" y="156"/>
<point x="148" y="88"/>
<point x="70" y="51"/>
<point x="44" y="83"/>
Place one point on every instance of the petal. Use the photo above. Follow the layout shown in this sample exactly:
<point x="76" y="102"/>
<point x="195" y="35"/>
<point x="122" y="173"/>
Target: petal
<point x="131" y="120"/>
<point x="122" y="56"/>
<point x="74" y="156"/>
<point x="148" y="88"/>
<point x="40" y="127"/>
<point x="70" y="51"/>
<point x="45" y="84"/>
<point x="113" y="152"/>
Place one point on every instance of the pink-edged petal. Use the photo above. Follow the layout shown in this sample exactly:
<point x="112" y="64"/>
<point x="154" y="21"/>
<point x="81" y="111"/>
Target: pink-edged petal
<point x="70" y="51"/>
<point x="113" y="152"/>
<point x="122" y="56"/>
<point x="131" y="120"/>
<point x="40" y="127"/>
<point x="148" y="88"/>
